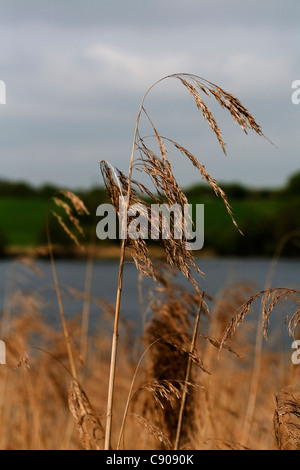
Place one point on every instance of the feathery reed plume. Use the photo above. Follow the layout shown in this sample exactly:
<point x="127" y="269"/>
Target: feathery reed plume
<point x="30" y="267"/>
<point x="269" y="299"/>
<point x="90" y="428"/>
<point x="166" y="391"/>
<point x="286" y="421"/>
<point x="159" y="169"/>
<point x="227" y="301"/>
<point x="293" y="323"/>
<point x="173" y="351"/>
<point x="154" y="431"/>
<point x="70" y="203"/>
<point x="78" y="206"/>
<point x="138" y="248"/>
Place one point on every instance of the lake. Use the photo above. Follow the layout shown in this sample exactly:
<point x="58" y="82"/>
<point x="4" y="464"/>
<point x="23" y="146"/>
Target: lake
<point x="218" y="272"/>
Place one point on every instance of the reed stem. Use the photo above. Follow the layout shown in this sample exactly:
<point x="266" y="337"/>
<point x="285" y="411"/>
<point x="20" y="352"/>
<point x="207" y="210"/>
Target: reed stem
<point x="187" y="378"/>
<point x="60" y="304"/>
<point x="114" y="348"/>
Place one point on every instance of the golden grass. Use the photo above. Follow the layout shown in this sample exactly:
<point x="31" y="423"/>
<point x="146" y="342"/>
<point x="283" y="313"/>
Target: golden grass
<point x="42" y="407"/>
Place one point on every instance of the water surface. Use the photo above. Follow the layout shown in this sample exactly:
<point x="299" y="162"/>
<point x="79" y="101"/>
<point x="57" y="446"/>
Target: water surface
<point x="218" y="272"/>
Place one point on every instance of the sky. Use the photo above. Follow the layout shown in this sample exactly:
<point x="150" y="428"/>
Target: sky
<point x="76" y="70"/>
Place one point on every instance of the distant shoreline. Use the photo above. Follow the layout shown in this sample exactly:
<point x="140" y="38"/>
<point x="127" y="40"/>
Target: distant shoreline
<point x="105" y="252"/>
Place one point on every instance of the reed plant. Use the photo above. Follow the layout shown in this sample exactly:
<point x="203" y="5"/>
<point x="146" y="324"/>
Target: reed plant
<point x="37" y="390"/>
<point x="159" y="169"/>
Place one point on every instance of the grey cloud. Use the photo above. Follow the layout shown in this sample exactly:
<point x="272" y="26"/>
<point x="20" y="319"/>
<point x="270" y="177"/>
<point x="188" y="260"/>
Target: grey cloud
<point x="134" y="13"/>
<point x="76" y="71"/>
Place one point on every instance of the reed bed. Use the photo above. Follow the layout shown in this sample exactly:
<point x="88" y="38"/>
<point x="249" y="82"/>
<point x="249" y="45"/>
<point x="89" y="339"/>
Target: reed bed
<point x="42" y="406"/>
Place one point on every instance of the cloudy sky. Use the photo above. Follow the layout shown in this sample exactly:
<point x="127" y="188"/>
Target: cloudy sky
<point x="76" y="71"/>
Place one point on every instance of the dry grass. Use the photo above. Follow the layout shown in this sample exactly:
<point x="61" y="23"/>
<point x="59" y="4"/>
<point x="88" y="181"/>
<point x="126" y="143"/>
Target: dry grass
<point x="43" y="408"/>
<point x="287" y="421"/>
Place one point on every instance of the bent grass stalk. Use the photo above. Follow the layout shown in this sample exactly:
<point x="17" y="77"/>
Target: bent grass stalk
<point x="160" y="172"/>
<point x="118" y="300"/>
<point x="131" y="389"/>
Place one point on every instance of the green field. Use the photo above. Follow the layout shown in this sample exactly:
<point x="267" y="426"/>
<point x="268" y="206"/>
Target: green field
<point x="22" y="222"/>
